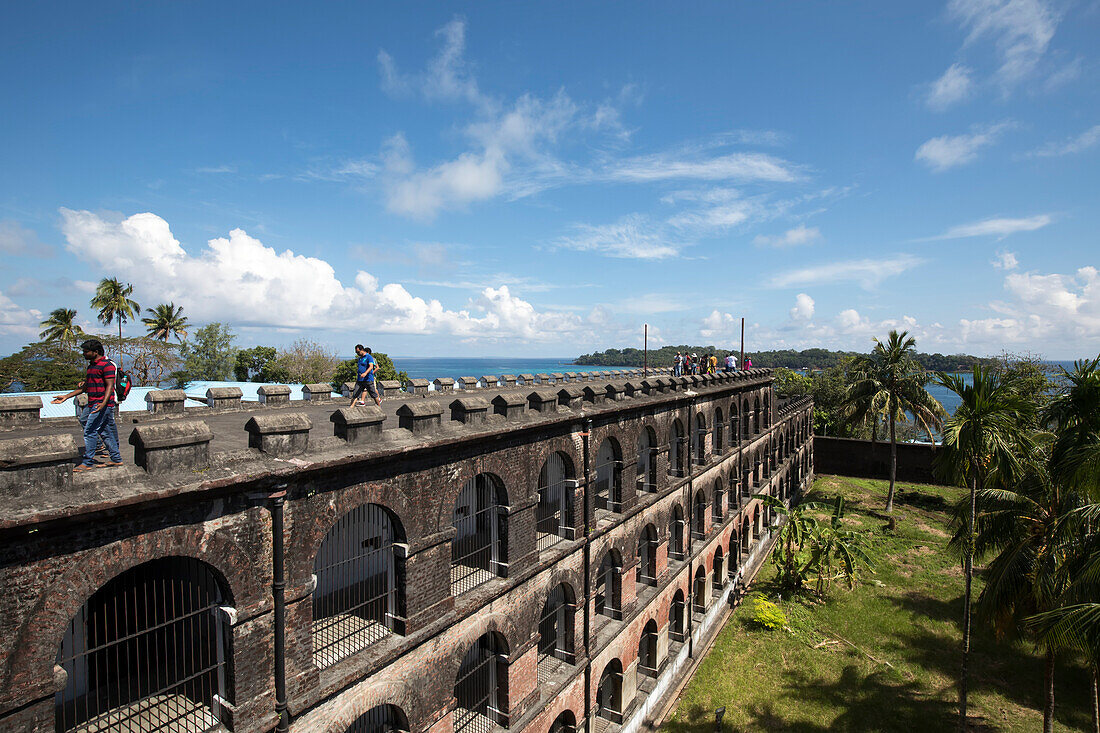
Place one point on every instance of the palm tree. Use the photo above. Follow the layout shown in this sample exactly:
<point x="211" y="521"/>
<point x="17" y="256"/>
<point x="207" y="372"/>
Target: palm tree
<point x="1075" y="415"/>
<point x="1033" y="528"/>
<point x="980" y="444"/>
<point x="889" y="381"/>
<point x="790" y="564"/>
<point x="166" y="320"/>
<point x="112" y="300"/>
<point x="60" y="327"/>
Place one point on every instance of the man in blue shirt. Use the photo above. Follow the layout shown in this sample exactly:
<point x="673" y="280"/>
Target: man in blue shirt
<point x="364" y="377"/>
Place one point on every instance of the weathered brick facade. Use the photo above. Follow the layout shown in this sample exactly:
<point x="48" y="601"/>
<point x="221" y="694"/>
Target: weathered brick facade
<point x="734" y="442"/>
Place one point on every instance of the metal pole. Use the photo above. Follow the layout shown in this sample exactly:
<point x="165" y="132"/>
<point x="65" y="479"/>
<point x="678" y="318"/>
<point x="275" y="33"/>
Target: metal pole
<point x="588" y="523"/>
<point x="645" y="348"/>
<point x="742" y="342"/>
<point x="278" y="590"/>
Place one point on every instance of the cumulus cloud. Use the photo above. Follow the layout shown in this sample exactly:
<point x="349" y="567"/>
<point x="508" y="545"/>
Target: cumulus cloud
<point x="1020" y="31"/>
<point x="803" y="308"/>
<point x="16" y="320"/>
<point x="948" y="151"/>
<point x="867" y="273"/>
<point x="1005" y="261"/>
<point x="954" y="86"/>
<point x="239" y="279"/>
<point x="996" y="227"/>
<point x="1076" y="144"/>
<point x="801" y="234"/>
<point x="15" y="239"/>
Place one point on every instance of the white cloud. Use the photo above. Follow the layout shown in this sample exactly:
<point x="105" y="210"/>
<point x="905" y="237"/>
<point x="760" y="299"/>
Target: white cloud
<point x="801" y="234"/>
<point x="998" y="227"/>
<point x="729" y="167"/>
<point x="1077" y="144"/>
<point x="240" y="280"/>
<point x="803" y="308"/>
<point x="719" y="325"/>
<point x="18" y="321"/>
<point x="954" y="86"/>
<point x="868" y="273"/>
<point x="447" y="76"/>
<point x="947" y="151"/>
<point x="15" y="239"/>
<point x="633" y="237"/>
<point x="1005" y="261"/>
<point x="1020" y="30"/>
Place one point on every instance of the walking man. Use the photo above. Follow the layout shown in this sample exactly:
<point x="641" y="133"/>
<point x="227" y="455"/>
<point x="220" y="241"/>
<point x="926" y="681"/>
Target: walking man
<point x="99" y="385"/>
<point x="364" y="377"/>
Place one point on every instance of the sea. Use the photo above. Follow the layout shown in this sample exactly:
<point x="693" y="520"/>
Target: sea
<point x="419" y="367"/>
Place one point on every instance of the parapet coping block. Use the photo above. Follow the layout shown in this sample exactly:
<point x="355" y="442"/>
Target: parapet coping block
<point x="527" y="377"/>
<point x="317" y="389"/>
<point x="508" y="400"/>
<point x="166" y="395"/>
<point x="490" y="380"/>
<point x="557" y="375"/>
<point x="224" y="393"/>
<point x="419" y="382"/>
<point x="570" y="391"/>
<point x="358" y="416"/>
<point x="269" y="390"/>
<point x="38" y="450"/>
<point x="170" y="434"/>
<point x="20" y="409"/>
<point x="389" y="384"/>
<point x="420" y="409"/>
<point x="593" y="394"/>
<point x="443" y="382"/>
<point x="508" y="377"/>
<point x="543" y="378"/>
<point x="468" y="382"/>
<point x="469" y="409"/>
<point x="286" y="422"/>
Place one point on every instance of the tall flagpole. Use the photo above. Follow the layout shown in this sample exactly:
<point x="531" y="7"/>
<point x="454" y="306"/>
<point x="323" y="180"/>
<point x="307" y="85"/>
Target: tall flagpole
<point x="742" y="342"/>
<point x="645" y="347"/>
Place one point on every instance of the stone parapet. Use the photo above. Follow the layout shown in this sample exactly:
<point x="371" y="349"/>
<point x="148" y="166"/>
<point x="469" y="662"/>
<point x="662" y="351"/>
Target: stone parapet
<point x="570" y="397"/>
<point x="19" y="410"/>
<point x="469" y="410"/>
<point x="30" y="465"/>
<point x="388" y="387"/>
<point x="419" y="386"/>
<point x="509" y="405"/>
<point x="224" y="398"/>
<point x="467" y="382"/>
<point x="282" y="434"/>
<point x="172" y="446"/>
<point x="166" y="401"/>
<point x="317" y="392"/>
<point x="420" y="417"/>
<point x="358" y="424"/>
<point x="444" y="384"/>
<point x="274" y="395"/>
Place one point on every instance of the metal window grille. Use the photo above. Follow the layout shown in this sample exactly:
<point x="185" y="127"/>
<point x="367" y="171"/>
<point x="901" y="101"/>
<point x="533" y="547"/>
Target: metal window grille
<point x="719" y="574"/>
<point x="555" y="633"/>
<point x="646" y="571"/>
<point x="477" y="551"/>
<point x="647" y="464"/>
<point x="356" y="600"/>
<point x="478" y="688"/>
<point x="148" y="652"/>
<point x="718" y="432"/>
<point x="699" y="604"/>
<point x="675" y="451"/>
<point x="609" y="695"/>
<point x="564" y="723"/>
<point x="676" y="617"/>
<point x="718" y="496"/>
<point x="609" y="591"/>
<point x="609" y="489"/>
<point x="699" y="440"/>
<point x="380" y="719"/>
<point x="698" y="524"/>
<point x="676" y="535"/>
<point x="647" y="650"/>
<point x="555" y="507"/>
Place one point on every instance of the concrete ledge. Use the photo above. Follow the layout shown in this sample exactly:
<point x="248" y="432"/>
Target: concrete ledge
<point x="420" y="417"/>
<point x="224" y="398"/>
<point x="274" y="394"/>
<point x="469" y="410"/>
<point x="172" y="446"/>
<point x="19" y="410"/>
<point x="358" y="424"/>
<point x="165" y="401"/>
<point x="284" y="434"/>
<point x="30" y="465"/>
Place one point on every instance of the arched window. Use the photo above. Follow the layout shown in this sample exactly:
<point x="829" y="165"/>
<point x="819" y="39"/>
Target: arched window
<point x="699" y="439"/>
<point x="609" y="694"/>
<point x="609" y="586"/>
<point x="676" y="533"/>
<point x="699" y="515"/>
<point x="746" y="420"/>
<point x="554" y="514"/>
<point x="647" y="461"/>
<point x="719" y="572"/>
<point x="766" y="421"/>
<point x="757" y="423"/>
<point x="380" y="719"/>
<point x="153" y="644"/>
<point x="481" y="686"/>
<point x="735" y="425"/>
<point x="676" y="449"/>
<point x="719" y="494"/>
<point x="647" y="556"/>
<point x="699" y="603"/>
<point x="556" y="631"/>
<point x="479" y="549"/>
<point x="647" y="650"/>
<point x="746" y="535"/>
<point x="677" y="627"/>
<point x="718" y="427"/>
<point x="566" y="722"/>
<point x="358" y="598"/>
<point x="734" y="551"/>
<point x="609" y="470"/>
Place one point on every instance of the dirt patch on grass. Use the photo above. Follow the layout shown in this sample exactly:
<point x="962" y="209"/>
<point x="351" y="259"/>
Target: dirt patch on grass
<point x="934" y="531"/>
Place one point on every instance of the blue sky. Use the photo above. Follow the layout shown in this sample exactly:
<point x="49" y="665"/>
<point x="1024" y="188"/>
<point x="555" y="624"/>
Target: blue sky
<point x="519" y="179"/>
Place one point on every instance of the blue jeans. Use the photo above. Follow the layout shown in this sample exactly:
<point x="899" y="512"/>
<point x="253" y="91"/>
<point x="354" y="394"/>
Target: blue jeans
<point x="101" y="425"/>
<point x="679" y="370"/>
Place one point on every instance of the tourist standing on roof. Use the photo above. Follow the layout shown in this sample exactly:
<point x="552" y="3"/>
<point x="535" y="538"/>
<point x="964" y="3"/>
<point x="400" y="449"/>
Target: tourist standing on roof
<point x="678" y="365"/>
<point x="748" y="362"/>
<point x="731" y="362"/>
<point x="99" y="385"/>
<point x="365" y="367"/>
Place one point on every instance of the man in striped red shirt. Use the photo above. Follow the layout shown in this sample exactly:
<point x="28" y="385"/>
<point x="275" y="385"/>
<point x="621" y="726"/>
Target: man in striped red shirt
<point x="99" y="385"/>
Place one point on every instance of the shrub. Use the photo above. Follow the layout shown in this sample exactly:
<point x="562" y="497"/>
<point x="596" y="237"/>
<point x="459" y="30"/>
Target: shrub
<point x="767" y="615"/>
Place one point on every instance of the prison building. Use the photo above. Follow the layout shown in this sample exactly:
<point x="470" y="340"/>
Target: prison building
<point x="533" y="557"/>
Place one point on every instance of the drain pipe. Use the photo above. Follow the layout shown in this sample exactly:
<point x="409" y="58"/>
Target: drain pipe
<point x="278" y="592"/>
<point x="588" y="513"/>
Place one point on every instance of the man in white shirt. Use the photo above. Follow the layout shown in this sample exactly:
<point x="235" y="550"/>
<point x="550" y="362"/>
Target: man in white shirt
<point x="731" y="363"/>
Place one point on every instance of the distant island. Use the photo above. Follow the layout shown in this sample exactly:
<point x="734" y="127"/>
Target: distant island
<point x="789" y="358"/>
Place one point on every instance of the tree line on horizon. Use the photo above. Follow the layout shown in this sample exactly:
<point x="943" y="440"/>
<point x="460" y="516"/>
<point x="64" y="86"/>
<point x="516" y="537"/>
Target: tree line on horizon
<point x="208" y="353"/>
<point x="812" y="359"/>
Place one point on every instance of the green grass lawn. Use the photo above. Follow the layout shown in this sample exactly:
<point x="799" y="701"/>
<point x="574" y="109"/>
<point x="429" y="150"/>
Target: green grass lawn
<point x="884" y="656"/>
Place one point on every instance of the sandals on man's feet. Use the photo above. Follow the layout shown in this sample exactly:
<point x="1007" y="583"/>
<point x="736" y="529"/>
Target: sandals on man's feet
<point x="82" y="468"/>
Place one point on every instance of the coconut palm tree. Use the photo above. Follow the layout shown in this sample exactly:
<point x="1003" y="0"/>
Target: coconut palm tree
<point x="981" y="445"/>
<point x="1075" y="415"/>
<point x="166" y="320"/>
<point x="112" y="300"/>
<point x="890" y="382"/>
<point x="1033" y="530"/>
<point x="60" y="327"/>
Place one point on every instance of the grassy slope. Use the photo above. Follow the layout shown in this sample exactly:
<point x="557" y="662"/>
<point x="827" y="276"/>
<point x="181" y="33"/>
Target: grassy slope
<point x="904" y="620"/>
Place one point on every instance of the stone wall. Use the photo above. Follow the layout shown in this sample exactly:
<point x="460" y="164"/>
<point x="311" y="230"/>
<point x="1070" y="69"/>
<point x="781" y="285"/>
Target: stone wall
<point x="848" y="457"/>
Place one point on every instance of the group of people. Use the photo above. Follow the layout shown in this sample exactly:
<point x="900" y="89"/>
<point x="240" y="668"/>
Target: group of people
<point x="365" y="368"/>
<point x="707" y="364"/>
